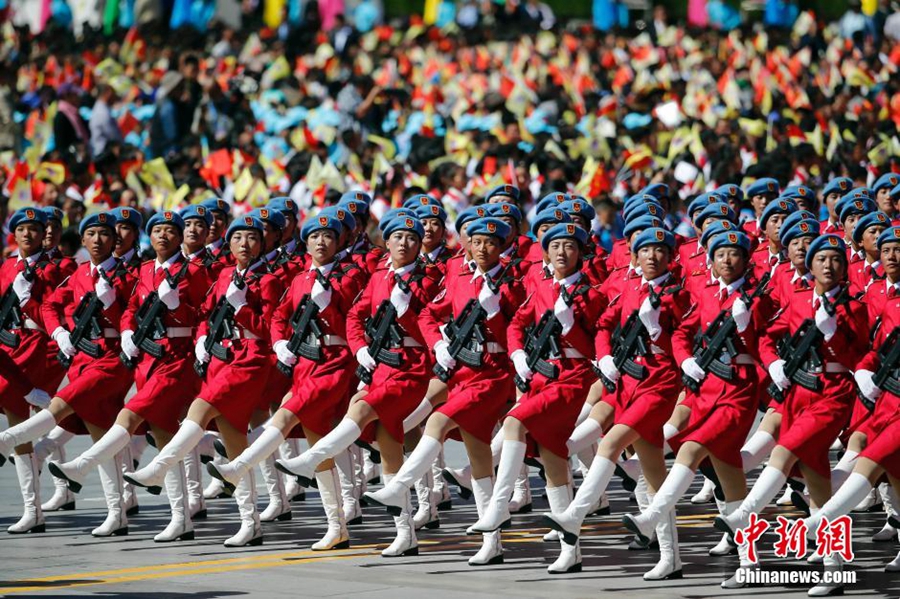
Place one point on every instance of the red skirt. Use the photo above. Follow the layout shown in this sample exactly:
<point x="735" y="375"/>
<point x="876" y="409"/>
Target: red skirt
<point x="166" y="388"/>
<point x="722" y="415"/>
<point x="551" y="407"/>
<point x="396" y="392"/>
<point x="96" y="389"/>
<point x="812" y="420"/>
<point x="884" y="449"/>
<point x="233" y="387"/>
<point x="320" y="395"/>
<point x="30" y="357"/>
<point x="477" y="398"/>
<point x="859" y="417"/>
<point x="645" y="406"/>
<point x="277" y="386"/>
<point x="887" y="410"/>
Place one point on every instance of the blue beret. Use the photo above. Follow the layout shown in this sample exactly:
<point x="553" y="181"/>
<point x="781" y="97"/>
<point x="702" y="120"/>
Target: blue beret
<point x="244" y="223"/>
<point x="341" y="214"/>
<point x="657" y="190"/>
<point x="730" y="191"/>
<point x="217" y="205"/>
<point x="579" y="208"/>
<point x="839" y="185"/>
<point x="891" y="235"/>
<point x="856" y="206"/>
<point x="31" y="214"/>
<point x="129" y="215"/>
<point x="702" y="201"/>
<point x="715" y="228"/>
<point x="864" y="191"/>
<point x="99" y="219"/>
<point x="640" y="223"/>
<point x="889" y="180"/>
<point x="638" y="210"/>
<point x="359" y="196"/>
<point x="552" y="199"/>
<point x="799" y="191"/>
<point x="737" y="239"/>
<point x="421" y="199"/>
<point x="895" y="193"/>
<point x="271" y="216"/>
<point x="653" y="236"/>
<point x="564" y="231"/>
<point x="504" y="209"/>
<point x="781" y="206"/>
<point x="470" y="214"/>
<point x="825" y="242"/>
<point x="431" y="211"/>
<point x="197" y="211"/>
<point x="358" y="208"/>
<point x="390" y="214"/>
<point x="509" y="191"/>
<point x="319" y="222"/>
<point x="637" y="200"/>
<point x="873" y="219"/>
<point x="549" y="215"/>
<point x="54" y="213"/>
<point x="717" y="210"/>
<point x="283" y="204"/>
<point x="795" y="217"/>
<point x="489" y="226"/>
<point x="803" y="228"/>
<point x="403" y="223"/>
<point x="165" y="217"/>
<point x="764" y="186"/>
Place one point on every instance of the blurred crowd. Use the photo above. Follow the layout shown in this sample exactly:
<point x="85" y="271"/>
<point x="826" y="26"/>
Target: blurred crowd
<point x="156" y="117"/>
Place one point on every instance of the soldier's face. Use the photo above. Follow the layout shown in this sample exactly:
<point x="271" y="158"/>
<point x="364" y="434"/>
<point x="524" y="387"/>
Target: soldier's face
<point x="166" y="241"/>
<point x="246" y="246"/>
<point x="99" y="242"/>
<point x="830" y="200"/>
<point x="271" y="236"/>
<point x="890" y="260"/>
<point x="486" y="250"/>
<point x="759" y="202"/>
<point x="195" y="233"/>
<point x="464" y="240"/>
<point x="322" y="245"/>
<point x="730" y="263"/>
<point x="565" y="256"/>
<point x="773" y="227"/>
<point x="126" y="237"/>
<point x="850" y="226"/>
<point x="883" y="199"/>
<point x="404" y="247"/>
<point x="805" y="203"/>
<point x="218" y="228"/>
<point x="29" y="238"/>
<point x="828" y="267"/>
<point x="53" y="234"/>
<point x="797" y="252"/>
<point x="290" y="226"/>
<point x="434" y="233"/>
<point x="653" y="260"/>
<point x="870" y="239"/>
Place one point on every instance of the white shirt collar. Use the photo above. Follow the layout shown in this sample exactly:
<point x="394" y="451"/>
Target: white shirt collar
<point x="568" y="281"/>
<point x="168" y="263"/>
<point x="403" y="270"/>
<point x="32" y="259"/>
<point x="491" y="273"/>
<point x="433" y="254"/>
<point x="734" y="286"/>
<point x="829" y="294"/>
<point x="875" y="264"/>
<point x="888" y="285"/>
<point x="216" y="244"/>
<point x="323" y="269"/>
<point x="797" y="276"/>
<point x="657" y="281"/>
<point x="126" y="256"/>
<point x="106" y="266"/>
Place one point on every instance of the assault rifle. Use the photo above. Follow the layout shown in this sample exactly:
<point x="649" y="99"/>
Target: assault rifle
<point x="11" y="312"/>
<point x="886" y="377"/>
<point x="383" y="330"/>
<point x="221" y="326"/>
<point x="305" y="325"/>
<point x="86" y="328"/>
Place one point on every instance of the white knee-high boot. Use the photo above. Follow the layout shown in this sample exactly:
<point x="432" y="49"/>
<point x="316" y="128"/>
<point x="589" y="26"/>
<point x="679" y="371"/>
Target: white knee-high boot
<point x="32" y="519"/>
<point x="250" y="532"/>
<point x="738" y="581"/>
<point x="768" y="484"/>
<point x="337" y="536"/>
<point x="116" y="522"/>
<point x="279" y="507"/>
<point x="521" y="502"/>
<point x="426" y="515"/>
<point x="115" y="440"/>
<point x="304" y="466"/>
<point x="37" y="426"/>
<point x="405" y="543"/>
<point x="673" y="488"/>
<point x="343" y="462"/>
<point x="152" y="476"/>
<point x="497" y="514"/>
<point x="180" y="528"/>
<point x="891" y="508"/>
<point x="440" y="488"/>
<point x="758" y="446"/>
<point x="568" y="523"/>
<point x="856" y="487"/>
<point x="569" y="560"/>
<point x="54" y="445"/>
<point x="395" y="494"/>
<point x="669" y="565"/>
<point x="193" y="468"/>
<point x="491" y="551"/>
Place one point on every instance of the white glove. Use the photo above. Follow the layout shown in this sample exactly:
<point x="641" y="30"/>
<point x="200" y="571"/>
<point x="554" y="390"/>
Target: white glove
<point x="608" y="367"/>
<point x="442" y="355"/>
<point x="200" y="350"/>
<point x="284" y="355"/>
<point x="320" y="295"/>
<point x="400" y="300"/>
<point x="489" y="300"/>
<point x="38" y="398"/>
<point x="826" y="322"/>
<point x="168" y="295"/>
<point x="128" y="346"/>
<point x="22" y="288"/>
<point x="866" y="386"/>
<point x="741" y="314"/>
<point x="236" y="296"/>
<point x="520" y="362"/>
<point x="564" y="314"/>
<point x="649" y="317"/>
<point x="365" y="359"/>
<point x="105" y="292"/>
<point x="64" y="341"/>
<point x="692" y="369"/>
<point x="776" y="371"/>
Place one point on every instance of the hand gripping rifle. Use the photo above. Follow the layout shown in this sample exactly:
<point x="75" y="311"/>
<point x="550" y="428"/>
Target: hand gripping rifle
<point x="468" y="328"/>
<point x="150" y="322"/>
<point x="221" y="326"/>
<point x="630" y="339"/>
<point x="719" y="337"/>
<point x="383" y="330"/>
<point x="886" y="377"/>
<point x="86" y="328"/>
<point x="11" y="312"/>
<point x="305" y="325"/>
<point x="800" y="349"/>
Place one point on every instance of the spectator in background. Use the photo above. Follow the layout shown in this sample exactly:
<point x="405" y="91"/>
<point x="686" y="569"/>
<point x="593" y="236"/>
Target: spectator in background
<point x="69" y="129"/>
<point x="853" y="21"/>
<point x="892" y="23"/>
<point x="104" y="128"/>
<point x="164" y="128"/>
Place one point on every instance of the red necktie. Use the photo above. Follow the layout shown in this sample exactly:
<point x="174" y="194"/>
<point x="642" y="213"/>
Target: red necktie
<point x="892" y="292"/>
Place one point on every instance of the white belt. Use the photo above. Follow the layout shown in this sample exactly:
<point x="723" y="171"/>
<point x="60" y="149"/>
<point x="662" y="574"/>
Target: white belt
<point x="30" y="324"/>
<point x="243" y="333"/>
<point x="410" y="342"/>
<point x="491" y="347"/>
<point x="111" y="333"/>
<point x="835" y="367"/>
<point x="333" y="340"/>
<point x="174" y="332"/>
<point x="655" y="349"/>
<point x="744" y="359"/>
<point x="571" y="352"/>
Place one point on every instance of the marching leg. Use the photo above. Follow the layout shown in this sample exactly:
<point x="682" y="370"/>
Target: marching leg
<point x="279" y="507"/>
<point x="497" y="515"/>
<point x="569" y="521"/>
<point x="152" y="476"/>
<point x="116" y="523"/>
<point x="129" y="496"/>
<point x="405" y="542"/>
<point x="337" y="536"/>
<point x="291" y="449"/>
<point x="37" y="426"/>
<point x="194" y="478"/>
<point x="768" y="484"/>
<point x="569" y="560"/>
<point x="441" y="489"/>
<point x="343" y="462"/>
<point x="180" y="528"/>
<point x="54" y="445"/>
<point x="426" y="511"/>
<point x="250" y="532"/>
<point x="114" y="441"/>
<point x="304" y="466"/>
<point x="521" y="498"/>
<point x="669" y="565"/>
<point x="32" y="519"/>
<point x="491" y="551"/>
<point x="673" y="488"/>
<point x="891" y="508"/>
<point x="743" y="553"/>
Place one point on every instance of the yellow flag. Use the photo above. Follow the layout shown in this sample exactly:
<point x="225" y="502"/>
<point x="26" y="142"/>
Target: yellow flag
<point x="156" y="174"/>
<point x="273" y="13"/>
<point x="258" y="195"/>
<point x="242" y="185"/>
<point x="131" y="179"/>
<point x="387" y="146"/>
<point x="430" y="13"/>
<point x="20" y="196"/>
<point x="50" y="171"/>
<point x="274" y="172"/>
<point x="177" y="199"/>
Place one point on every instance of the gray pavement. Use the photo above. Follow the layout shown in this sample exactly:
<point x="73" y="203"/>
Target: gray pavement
<point x="66" y="561"/>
